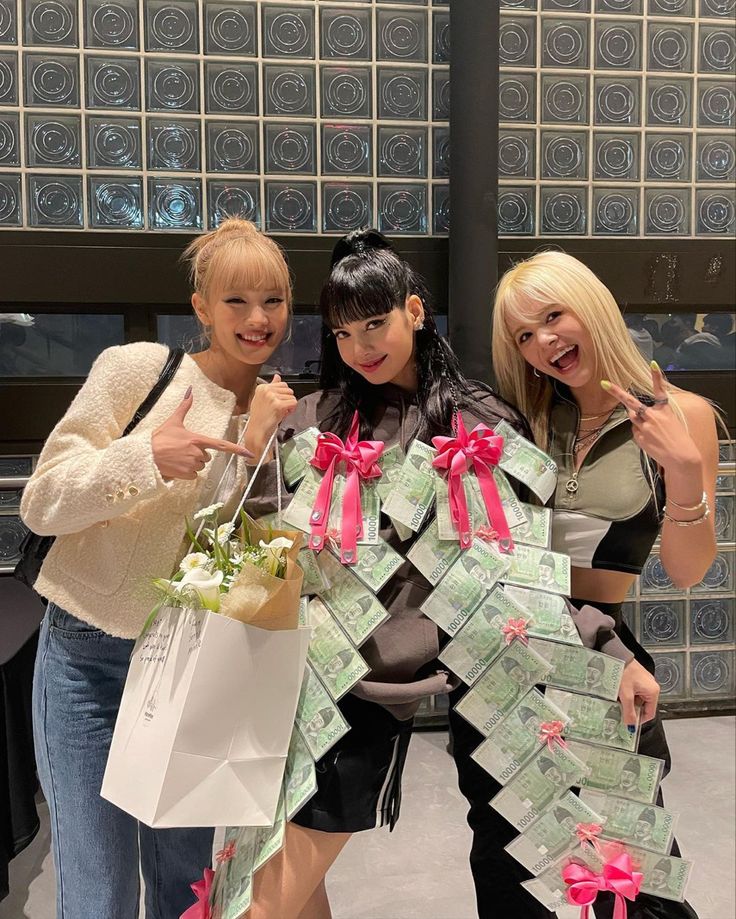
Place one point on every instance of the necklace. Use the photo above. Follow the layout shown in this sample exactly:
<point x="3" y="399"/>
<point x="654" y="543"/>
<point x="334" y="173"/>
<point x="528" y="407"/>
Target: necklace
<point x="585" y="437"/>
<point x="593" y="417"/>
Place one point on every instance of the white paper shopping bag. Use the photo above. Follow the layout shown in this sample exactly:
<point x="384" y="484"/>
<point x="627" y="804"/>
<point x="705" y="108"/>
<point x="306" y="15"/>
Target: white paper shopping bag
<point x="204" y="724"/>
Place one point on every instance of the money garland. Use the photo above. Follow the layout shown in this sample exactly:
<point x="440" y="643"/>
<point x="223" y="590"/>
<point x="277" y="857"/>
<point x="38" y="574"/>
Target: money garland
<point x="510" y="632"/>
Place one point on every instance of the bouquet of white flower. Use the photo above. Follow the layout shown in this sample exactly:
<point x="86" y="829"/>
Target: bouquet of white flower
<point x="249" y="574"/>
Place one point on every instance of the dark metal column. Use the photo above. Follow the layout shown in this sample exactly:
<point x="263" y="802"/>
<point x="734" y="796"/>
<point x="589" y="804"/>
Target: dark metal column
<point x="473" y="180"/>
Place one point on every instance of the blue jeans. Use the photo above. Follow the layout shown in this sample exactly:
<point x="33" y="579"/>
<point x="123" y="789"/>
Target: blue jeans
<point x="78" y="682"/>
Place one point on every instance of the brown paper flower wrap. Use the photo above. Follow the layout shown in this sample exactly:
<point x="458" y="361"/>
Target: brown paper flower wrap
<point x="259" y="598"/>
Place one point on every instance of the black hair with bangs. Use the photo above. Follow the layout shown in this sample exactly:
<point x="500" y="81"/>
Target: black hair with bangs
<point x="369" y="278"/>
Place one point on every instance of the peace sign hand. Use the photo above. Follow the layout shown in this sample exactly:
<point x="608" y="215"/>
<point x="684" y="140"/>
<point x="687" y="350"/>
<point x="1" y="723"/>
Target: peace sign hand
<point x="656" y="428"/>
<point x="180" y="453"/>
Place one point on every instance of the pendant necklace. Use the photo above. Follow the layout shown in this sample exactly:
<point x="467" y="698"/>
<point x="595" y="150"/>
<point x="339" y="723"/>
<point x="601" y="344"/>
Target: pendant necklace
<point x="589" y="437"/>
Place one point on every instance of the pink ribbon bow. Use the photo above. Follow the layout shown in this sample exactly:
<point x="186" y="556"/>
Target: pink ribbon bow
<point x="202" y="890"/>
<point x="589" y="833"/>
<point x="550" y="732"/>
<point x="361" y="459"/>
<point x="480" y="450"/>
<point x="226" y="853"/>
<point x="618" y="877"/>
<point x="516" y="628"/>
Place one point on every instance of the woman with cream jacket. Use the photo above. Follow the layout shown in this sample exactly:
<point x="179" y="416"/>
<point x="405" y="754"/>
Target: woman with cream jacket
<point x="117" y="506"/>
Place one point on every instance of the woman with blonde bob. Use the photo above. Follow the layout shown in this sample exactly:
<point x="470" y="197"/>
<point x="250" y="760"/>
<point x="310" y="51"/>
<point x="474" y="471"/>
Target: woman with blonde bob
<point x="637" y="459"/>
<point x="116" y="501"/>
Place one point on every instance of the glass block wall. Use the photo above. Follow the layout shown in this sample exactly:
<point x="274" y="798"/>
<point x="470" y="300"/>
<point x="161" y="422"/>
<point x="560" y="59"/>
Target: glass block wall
<point x="617" y="118"/>
<point x="308" y="117"/>
<point x="690" y="634"/>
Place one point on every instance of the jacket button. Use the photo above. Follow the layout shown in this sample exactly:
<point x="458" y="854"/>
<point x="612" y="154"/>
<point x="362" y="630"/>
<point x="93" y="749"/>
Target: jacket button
<point x="120" y="494"/>
<point x="133" y="491"/>
<point x="109" y="498"/>
<point x="104" y="523"/>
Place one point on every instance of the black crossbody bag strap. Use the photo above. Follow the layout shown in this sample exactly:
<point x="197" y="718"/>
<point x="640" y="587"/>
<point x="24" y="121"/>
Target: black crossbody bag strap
<point x="34" y="548"/>
<point x="173" y="361"/>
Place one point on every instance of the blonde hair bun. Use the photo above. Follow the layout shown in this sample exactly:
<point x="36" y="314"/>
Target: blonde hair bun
<point x="234" y="256"/>
<point x="232" y="226"/>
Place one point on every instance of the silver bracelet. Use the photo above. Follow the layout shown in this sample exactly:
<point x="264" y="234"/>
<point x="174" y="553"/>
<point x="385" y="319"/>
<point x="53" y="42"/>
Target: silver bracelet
<point x="689" y="523"/>
<point x="696" y="507"/>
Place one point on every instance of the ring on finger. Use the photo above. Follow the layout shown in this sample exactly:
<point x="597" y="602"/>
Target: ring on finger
<point x="641" y="412"/>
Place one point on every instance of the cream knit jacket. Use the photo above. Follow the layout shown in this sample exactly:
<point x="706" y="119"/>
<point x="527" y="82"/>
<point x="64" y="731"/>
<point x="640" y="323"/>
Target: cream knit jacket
<point x="118" y="523"/>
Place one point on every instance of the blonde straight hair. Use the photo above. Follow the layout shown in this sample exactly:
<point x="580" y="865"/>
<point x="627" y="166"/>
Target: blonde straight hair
<point x="555" y="278"/>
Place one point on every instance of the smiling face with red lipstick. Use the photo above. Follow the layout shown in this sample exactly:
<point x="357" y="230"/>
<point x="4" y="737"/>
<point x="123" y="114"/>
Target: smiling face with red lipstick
<point x="381" y="348"/>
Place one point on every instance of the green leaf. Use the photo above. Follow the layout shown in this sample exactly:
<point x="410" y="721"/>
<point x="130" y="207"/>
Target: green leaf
<point x="193" y="539"/>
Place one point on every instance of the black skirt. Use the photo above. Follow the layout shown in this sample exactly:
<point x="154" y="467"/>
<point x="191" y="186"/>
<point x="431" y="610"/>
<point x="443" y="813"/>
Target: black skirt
<point x="359" y="779"/>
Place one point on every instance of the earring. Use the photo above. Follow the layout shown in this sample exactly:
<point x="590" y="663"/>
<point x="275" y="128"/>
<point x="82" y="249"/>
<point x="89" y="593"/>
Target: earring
<point x="419" y="327"/>
<point x="536" y="373"/>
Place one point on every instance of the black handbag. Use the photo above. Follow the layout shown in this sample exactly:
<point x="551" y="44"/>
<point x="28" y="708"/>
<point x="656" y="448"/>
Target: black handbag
<point x="35" y="548"/>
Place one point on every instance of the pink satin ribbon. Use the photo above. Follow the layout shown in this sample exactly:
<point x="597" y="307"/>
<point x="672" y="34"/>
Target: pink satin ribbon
<point x="202" y="890"/>
<point x="480" y="450"/>
<point x="361" y="460"/>
<point x="589" y="833"/>
<point x="550" y="732"/>
<point x="618" y="877"/>
<point x="516" y="628"/>
<point x="226" y="853"/>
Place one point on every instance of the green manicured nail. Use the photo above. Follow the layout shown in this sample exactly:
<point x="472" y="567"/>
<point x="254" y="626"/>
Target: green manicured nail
<point x="606" y="384"/>
<point x="655" y="366"/>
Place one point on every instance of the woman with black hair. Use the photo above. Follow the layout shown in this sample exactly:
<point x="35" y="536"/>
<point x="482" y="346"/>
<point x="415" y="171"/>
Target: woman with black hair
<point x="383" y="358"/>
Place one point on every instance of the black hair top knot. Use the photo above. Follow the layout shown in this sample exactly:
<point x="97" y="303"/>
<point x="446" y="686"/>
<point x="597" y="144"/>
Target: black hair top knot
<point x="361" y="243"/>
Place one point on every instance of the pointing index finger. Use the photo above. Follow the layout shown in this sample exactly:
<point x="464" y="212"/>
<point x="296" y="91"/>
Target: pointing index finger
<point x="225" y="446"/>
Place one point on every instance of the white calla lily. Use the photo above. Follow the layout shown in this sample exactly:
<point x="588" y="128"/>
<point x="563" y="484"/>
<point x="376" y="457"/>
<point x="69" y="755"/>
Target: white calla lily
<point x="205" y="583"/>
<point x="275" y="551"/>
<point x="280" y="542"/>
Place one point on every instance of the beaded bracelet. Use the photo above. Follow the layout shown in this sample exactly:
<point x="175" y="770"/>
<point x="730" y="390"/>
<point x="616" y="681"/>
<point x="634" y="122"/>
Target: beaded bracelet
<point x="696" y="507"/>
<point x="689" y="523"/>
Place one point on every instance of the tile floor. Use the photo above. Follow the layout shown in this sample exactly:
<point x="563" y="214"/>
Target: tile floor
<point x="420" y="871"/>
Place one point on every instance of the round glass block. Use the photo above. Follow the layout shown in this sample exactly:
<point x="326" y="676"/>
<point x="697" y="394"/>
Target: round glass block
<point x="615" y="212"/>
<point x="175" y="205"/>
<point x="660" y="622"/>
<point x="346" y="151"/>
<point x="230" y="30"/>
<point x="57" y="202"/>
<point x="288" y="34"/>
<point x="117" y="204"/>
<point x="668" y="673"/>
<point x="711" y="673"/>
<point x="513" y="155"/>
<point x="173" y="87"/>
<point x="233" y="201"/>
<point x="53" y="82"/>
<point x="347" y="210"/>
<point x="113" y="24"/>
<point x="401" y="37"/>
<point x="115" y="145"/>
<point x="170" y="27"/>
<point x="52" y="22"/>
<point x="291" y="208"/>
<point x="711" y="620"/>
